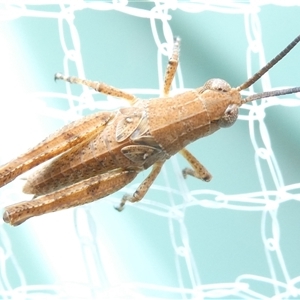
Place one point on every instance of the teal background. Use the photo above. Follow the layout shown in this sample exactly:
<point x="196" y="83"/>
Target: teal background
<point x="93" y="250"/>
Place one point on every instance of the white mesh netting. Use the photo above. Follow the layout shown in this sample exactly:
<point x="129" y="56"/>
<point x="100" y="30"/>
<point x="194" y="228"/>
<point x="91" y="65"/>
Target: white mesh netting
<point x="236" y="237"/>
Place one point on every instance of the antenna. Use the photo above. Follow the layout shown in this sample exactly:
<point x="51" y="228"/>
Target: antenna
<point x="268" y="66"/>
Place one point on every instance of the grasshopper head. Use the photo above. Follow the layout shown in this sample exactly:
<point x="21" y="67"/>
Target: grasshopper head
<point x="221" y="101"/>
<point x="224" y="110"/>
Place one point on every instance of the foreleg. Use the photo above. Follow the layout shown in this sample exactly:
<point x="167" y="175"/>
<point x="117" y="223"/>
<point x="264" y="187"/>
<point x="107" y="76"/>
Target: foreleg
<point x="172" y="67"/>
<point x="198" y="171"/>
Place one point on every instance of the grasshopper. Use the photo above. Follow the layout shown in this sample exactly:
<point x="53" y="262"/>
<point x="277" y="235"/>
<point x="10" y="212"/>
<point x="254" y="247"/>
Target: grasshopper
<point x="99" y="154"/>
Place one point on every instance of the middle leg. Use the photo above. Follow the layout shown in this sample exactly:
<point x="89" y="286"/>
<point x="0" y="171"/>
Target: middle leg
<point x="100" y="87"/>
<point x="143" y="187"/>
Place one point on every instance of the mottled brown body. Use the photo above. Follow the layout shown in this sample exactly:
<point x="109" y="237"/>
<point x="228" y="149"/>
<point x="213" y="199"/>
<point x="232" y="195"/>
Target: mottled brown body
<point x="186" y="119"/>
<point x="99" y="154"/>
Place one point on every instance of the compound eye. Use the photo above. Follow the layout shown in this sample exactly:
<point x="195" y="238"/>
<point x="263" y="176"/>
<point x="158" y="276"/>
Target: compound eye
<point x="217" y="84"/>
<point x="230" y="116"/>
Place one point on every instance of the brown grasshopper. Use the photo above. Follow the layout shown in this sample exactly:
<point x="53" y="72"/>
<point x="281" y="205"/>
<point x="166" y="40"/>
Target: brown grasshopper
<point x="101" y="153"/>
